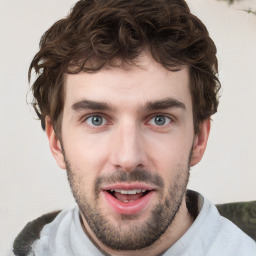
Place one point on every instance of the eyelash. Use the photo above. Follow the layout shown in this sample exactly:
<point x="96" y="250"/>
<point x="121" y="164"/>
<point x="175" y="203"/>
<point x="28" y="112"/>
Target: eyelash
<point x="160" y="127"/>
<point x="166" y="118"/>
<point x="84" y="119"/>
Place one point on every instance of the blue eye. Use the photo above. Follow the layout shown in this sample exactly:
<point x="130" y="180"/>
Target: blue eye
<point x="96" y="120"/>
<point x="160" y="120"/>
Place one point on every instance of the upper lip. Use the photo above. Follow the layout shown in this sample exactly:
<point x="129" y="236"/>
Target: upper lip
<point x="129" y="192"/>
<point x="129" y="186"/>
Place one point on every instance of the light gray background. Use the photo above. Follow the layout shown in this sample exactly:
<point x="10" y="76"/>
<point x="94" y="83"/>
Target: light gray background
<point x="30" y="181"/>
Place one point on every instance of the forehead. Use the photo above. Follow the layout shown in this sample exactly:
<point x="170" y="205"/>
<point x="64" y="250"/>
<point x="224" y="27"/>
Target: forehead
<point x="129" y="84"/>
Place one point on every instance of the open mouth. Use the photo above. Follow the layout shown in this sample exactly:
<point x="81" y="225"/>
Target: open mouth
<point x="128" y="201"/>
<point x="127" y="196"/>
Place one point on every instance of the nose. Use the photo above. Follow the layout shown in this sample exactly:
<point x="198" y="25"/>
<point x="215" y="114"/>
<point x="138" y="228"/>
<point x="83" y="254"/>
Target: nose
<point x="127" y="150"/>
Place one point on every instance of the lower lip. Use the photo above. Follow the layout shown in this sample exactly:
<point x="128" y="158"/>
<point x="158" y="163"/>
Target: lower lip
<point x="128" y="208"/>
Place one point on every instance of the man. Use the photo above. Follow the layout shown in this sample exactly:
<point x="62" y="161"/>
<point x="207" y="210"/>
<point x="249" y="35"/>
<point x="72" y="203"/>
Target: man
<point x="125" y="92"/>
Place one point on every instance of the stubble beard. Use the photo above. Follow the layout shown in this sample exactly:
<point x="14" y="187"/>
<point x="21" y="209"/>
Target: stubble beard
<point x="133" y="236"/>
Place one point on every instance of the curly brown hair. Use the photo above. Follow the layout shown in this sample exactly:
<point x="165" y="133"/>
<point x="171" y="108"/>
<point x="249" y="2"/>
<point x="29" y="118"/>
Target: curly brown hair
<point x="96" y="32"/>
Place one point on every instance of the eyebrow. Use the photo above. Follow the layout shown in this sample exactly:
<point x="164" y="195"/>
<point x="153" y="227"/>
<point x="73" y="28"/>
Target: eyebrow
<point x="165" y="104"/>
<point x="149" y="106"/>
<point x="89" y="104"/>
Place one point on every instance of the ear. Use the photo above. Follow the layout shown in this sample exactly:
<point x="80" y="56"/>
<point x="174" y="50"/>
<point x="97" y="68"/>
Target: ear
<point x="200" y="142"/>
<point x="54" y="144"/>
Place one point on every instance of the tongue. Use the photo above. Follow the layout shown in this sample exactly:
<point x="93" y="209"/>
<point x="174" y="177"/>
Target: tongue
<point x="127" y="197"/>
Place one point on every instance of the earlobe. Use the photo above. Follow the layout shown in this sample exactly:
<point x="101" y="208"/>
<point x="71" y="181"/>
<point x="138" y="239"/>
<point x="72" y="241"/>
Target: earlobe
<point x="200" y="142"/>
<point x="54" y="143"/>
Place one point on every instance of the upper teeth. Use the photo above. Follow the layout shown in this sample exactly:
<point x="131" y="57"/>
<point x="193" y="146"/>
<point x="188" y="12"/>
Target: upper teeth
<point x="130" y="192"/>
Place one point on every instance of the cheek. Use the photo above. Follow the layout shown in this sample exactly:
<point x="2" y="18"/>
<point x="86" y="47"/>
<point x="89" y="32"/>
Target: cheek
<point x="170" y="150"/>
<point x="86" y="154"/>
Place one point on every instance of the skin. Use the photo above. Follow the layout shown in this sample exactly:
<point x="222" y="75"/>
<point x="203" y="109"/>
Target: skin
<point x="130" y="138"/>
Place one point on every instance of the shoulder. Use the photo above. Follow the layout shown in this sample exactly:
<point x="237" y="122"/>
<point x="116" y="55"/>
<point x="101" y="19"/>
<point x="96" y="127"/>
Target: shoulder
<point x="242" y="214"/>
<point x="231" y="240"/>
<point x="213" y="231"/>
<point x="31" y="232"/>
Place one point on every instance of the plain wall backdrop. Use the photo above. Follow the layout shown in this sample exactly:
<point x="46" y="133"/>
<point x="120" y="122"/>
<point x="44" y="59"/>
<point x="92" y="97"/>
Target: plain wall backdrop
<point x="31" y="182"/>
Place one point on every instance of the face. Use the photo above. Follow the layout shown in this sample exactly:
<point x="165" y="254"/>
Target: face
<point x="127" y="144"/>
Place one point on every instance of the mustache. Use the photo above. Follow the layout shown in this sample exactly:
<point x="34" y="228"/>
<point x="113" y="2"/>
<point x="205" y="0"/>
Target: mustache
<point x="136" y="175"/>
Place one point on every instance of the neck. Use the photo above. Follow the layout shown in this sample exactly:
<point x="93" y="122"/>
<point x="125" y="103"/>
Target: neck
<point x="181" y="223"/>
